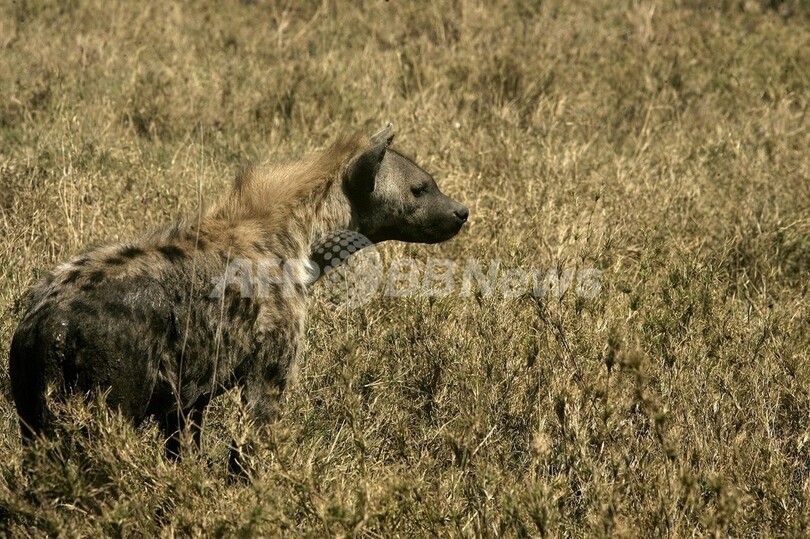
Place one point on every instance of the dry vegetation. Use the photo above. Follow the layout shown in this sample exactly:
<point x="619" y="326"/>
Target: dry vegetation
<point x="665" y="145"/>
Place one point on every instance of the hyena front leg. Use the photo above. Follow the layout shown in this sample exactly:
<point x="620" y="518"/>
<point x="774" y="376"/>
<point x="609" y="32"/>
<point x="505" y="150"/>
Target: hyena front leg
<point x="262" y="381"/>
<point x="175" y="424"/>
<point x="259" y="404"/>
<point x="260" y="394"/>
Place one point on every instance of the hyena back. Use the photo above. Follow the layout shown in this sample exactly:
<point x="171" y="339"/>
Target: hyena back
<point x="139" y="321"/>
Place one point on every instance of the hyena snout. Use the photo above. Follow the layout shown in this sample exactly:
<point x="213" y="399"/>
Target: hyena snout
<point x="461" y="214"/>
<point x="448" y="220"/>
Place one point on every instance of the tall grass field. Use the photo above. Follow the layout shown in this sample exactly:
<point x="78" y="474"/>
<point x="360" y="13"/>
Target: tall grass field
<point x="617" y="344"/>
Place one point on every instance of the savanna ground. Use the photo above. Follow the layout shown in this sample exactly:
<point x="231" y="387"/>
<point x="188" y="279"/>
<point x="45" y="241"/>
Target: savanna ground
<point x="665" y="145"/>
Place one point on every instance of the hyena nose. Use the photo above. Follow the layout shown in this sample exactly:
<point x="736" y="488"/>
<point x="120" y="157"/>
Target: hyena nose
<point x="461" y="214"/>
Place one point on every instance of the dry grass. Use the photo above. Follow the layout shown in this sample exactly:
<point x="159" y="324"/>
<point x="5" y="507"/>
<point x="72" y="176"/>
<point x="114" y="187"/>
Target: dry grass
<point x="666" y="145"/>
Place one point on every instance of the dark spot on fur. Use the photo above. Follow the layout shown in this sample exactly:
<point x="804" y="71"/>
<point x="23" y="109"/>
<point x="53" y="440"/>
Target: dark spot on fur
<point x="279" y="303"/>
<point x="92" y="280"/>
<point x="287" y="243"/>
<point x="236" y="308"/>
<point x="172" y="253"/>
<point x="118" y="309"/>
<point x="83" y="307"/>
<point x="71" y="276"/>
<point x="81" y="261"/>
<point x="114" y="261"/>
<point x="132" y="252"/>
<point x="198" y="242"/>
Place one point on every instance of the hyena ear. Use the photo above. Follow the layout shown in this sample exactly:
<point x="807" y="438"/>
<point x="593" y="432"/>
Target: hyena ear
<point x="363" y="170"/>
<point x="386" y="134"/>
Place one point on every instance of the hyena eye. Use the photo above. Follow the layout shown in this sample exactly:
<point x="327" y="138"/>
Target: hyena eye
<point x="419" y="191"/>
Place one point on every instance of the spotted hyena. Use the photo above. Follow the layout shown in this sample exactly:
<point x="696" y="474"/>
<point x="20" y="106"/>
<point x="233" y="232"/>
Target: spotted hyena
<point x="139" y="320"/>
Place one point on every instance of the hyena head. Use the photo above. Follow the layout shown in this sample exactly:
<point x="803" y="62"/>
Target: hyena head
<point x="392" y="198"/>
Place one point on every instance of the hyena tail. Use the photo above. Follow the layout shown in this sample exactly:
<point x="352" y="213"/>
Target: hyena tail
<point x="33" y="377"/>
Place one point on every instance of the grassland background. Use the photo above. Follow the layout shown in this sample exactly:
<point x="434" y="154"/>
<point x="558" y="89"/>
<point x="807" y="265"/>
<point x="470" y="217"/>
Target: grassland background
<point x="665" y="144"/>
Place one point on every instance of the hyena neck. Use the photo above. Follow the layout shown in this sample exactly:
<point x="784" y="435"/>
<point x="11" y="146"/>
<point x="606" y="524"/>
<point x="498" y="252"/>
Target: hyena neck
<point x="316" y="217"/>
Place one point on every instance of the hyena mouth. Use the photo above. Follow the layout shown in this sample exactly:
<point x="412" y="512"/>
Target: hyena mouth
<point x="449" y="231"/>
<point x="441" y="236"/>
